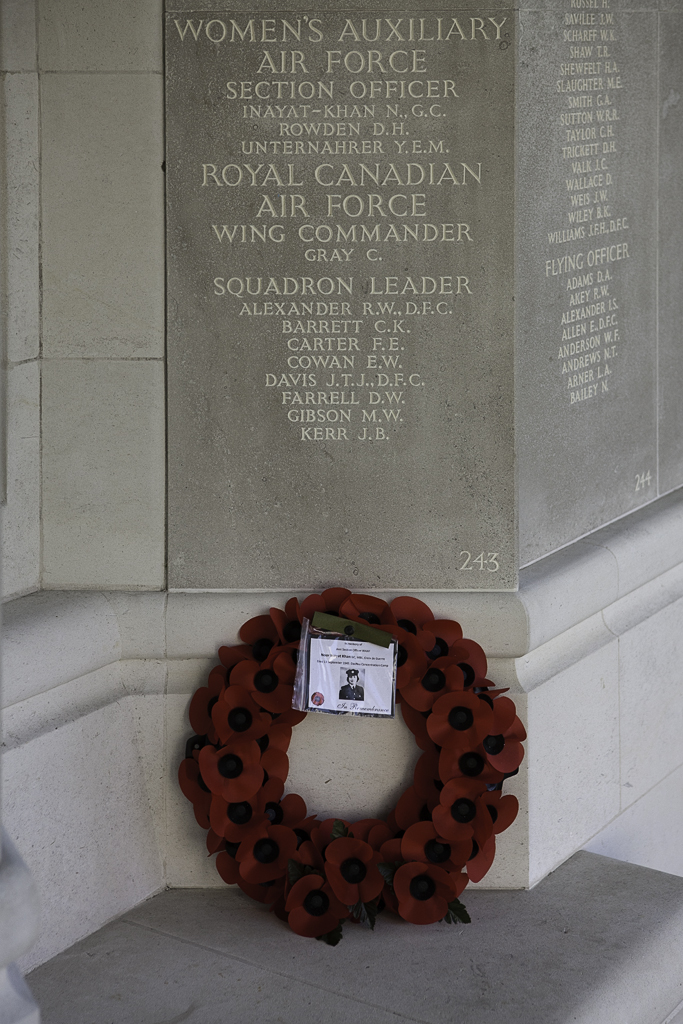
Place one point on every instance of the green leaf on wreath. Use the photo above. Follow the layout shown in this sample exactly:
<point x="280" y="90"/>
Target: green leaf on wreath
<point x="295" y="871"/>
<point x="339" y="830"/>
<point x="332" y="938"/>
<point x="387" y="871"/>
<point x="365" y="913"/>
<point x="456" y="912"/>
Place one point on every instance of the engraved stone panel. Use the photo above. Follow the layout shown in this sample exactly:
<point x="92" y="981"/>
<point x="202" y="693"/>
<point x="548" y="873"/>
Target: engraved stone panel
<point x="670" y="243"/>
<point x="340" y="328"/>
<point x="586" y="269"/>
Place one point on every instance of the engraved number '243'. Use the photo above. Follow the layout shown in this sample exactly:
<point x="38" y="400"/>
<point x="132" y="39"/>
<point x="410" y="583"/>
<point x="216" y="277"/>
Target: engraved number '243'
<point x="488" y="561"/>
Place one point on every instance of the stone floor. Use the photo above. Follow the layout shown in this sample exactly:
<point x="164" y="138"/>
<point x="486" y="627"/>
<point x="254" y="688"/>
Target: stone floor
<point x="597" y="942"/>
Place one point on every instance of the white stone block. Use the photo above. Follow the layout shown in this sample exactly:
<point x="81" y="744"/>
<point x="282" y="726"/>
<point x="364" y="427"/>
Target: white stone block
<point x="126" y="36"/>
<point x="573" y="759"/>
<point x="650" y="831"/>
<point x="187" y="674"/>
<point x="22" y="270"/>
<point x="103" y="215"/>
<point x="76" y="800"/>
<point x="17" y="36"/>
<point x="142" y="622"/>
<point x="21" y="515"/>
<point x="651" y="700"/>
<point x="49" y="639"/>
<point x="103" y="474"/>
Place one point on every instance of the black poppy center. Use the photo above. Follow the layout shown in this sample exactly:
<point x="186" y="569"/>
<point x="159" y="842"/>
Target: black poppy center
<point x="493" y="811"/>
<point x="422" y="887"/>
<point x="265" y="681"/>
<point x="409" y="626"/>
<point x="353" y="870"/>
<point x="467" y="671"/>
<point x="460" y="718"/>
<point x="194" y="744"/>
<point x="301" y="836"/>
<point x="262" y="648"/>
<point x="230" y="766"/>
<point x="463" y="810"/>
<point x="471" y="764"/>
<point x="369" y="617"/>
<point x="494" y="744"/>
<point x="316" y="903"/>
<point x="439" y="650"/>
<point x="401" y="656"/>
<point x="437" y="852"/>
<point x="240" y="719"/>
<point x="240" y="813"/>
<point x="292" y="631"/>
<point x="434" y="680"/>
<point x="263" y="743"/>
<point x="274" y="813"/>
<point x="266" y="851"/>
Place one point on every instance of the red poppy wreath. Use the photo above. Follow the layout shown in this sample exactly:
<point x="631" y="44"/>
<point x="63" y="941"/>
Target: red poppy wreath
<point x="317" y="874"/>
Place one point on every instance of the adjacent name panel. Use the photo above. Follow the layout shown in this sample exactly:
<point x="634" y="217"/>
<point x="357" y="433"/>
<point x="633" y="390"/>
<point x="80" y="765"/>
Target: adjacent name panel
<point x="340" y="330"/>
<point x="586" y="271"/>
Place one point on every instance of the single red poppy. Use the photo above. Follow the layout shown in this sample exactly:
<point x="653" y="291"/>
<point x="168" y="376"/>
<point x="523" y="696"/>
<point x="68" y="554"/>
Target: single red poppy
<point x="426" y="779"/>
<point x="411" y="807"/>
<point x="481" y="859"/>
<point x="288" y="630"/>
<point x="235" y="819"/>
<point x="422" y="842"/>
<point x="459" y="717"/>
<point x="423" y="892"/>
<point x="503" y="809"/>
<point x="203" y="702"/>
<point x="462" y="814"/>
<point x="417" y="723"/>
<point x="269" y="682"/>
<point x="471" y="659"/>
<point x="236" y="714"/>
<point x="463" y="760"/>
<point x="233" y="771"/>
<point x="193" y="787"/>
<point x="261" y="635"/>
<point x="503" y="747"/>
<point x="367" y="609"/>
<point x="441" y="677"/>
<point x="265" y="851"/>
<point x="313" y="907"/>
<point x="351" y="869"/>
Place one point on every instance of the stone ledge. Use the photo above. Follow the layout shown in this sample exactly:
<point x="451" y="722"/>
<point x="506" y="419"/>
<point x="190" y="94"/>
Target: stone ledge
<point x="596" y="941"/>
<point x="568" y="605"/>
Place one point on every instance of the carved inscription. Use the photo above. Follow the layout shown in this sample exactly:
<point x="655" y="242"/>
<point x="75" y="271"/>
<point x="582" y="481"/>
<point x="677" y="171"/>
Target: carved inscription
<point x="593" y="237"/>
<point x="341" y="148"/>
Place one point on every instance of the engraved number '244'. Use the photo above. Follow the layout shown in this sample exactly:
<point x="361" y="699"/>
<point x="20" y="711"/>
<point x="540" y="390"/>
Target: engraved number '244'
<point x="488" y="561"/>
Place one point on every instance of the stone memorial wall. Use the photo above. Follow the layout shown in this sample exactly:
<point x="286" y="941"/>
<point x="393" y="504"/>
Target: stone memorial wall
<point x="340" y="195"/>
<point x="416" y="276"/>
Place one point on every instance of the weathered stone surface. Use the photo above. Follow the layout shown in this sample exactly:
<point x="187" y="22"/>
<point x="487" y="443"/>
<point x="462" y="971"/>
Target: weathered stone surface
<point x="585" y="271"/>
<point x="340" y="406"/>
<point x="670" y="235"/>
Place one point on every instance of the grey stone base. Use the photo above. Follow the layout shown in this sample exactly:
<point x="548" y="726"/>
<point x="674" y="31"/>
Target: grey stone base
<point x="596" y="942"/>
